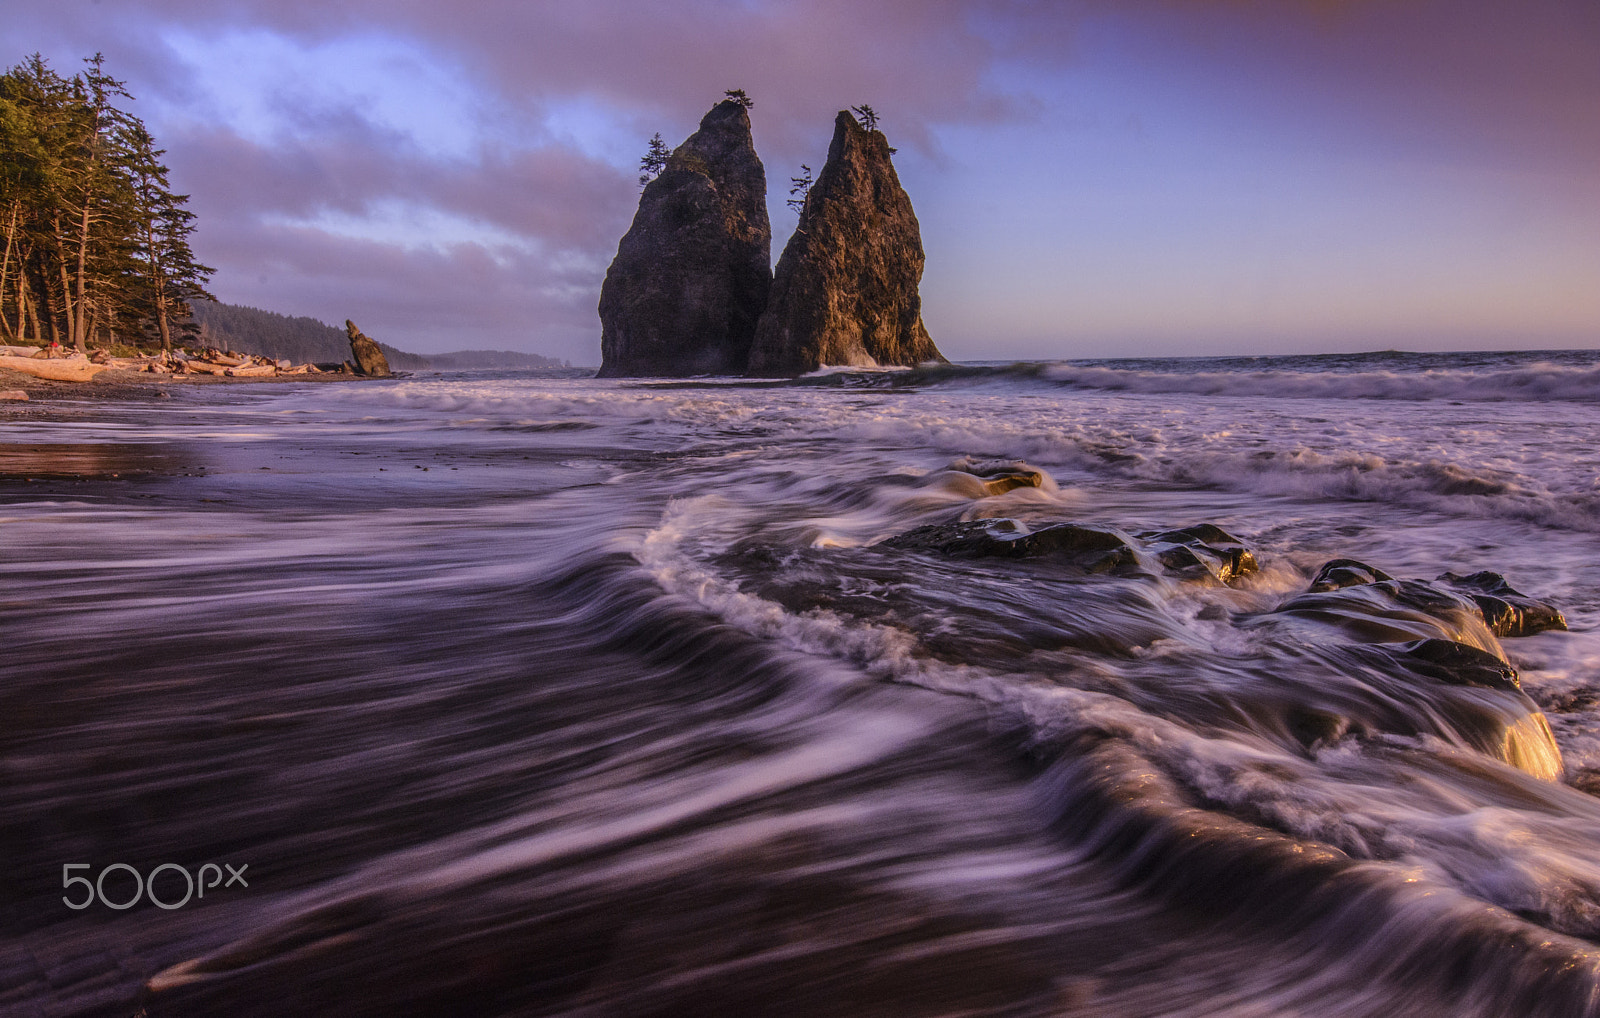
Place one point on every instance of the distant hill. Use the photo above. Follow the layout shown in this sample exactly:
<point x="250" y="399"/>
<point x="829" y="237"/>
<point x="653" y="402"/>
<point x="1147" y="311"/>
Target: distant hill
<point x="269" y="334"/>
<point x="469" y="360"/>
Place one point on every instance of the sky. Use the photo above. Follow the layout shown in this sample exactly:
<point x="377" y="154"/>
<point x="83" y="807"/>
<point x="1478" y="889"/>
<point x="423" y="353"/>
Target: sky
<point x="1094" y="178"/>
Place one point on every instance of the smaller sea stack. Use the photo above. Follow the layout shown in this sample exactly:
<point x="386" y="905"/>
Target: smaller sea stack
<point x="845" y="291"/>
<point x="368" y="354"/>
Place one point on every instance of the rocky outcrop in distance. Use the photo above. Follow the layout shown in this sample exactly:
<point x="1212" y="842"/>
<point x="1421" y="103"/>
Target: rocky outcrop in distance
<point x="692" y="274"/>
<point x="846" y="288"/>
<point x="369" y="359"/>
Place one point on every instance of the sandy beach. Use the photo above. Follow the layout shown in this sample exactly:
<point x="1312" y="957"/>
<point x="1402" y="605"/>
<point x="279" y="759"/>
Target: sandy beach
<point x="119" y="384"/>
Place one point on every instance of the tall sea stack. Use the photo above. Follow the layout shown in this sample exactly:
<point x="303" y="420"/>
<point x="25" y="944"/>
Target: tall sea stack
<point x="692" y="273"/>
<point x="845" y="291"/>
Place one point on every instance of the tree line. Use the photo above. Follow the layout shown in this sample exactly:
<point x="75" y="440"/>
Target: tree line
<point x="95" y="243"/>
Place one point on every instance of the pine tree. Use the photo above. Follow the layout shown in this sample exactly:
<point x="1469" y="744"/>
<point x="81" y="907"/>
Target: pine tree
<point x="654" y="160"/>
<point x="801" y="186"/>
<point x="737" y="95"/>
<point x="169" y="277"/>
<point x="866" y="115"/>
<point x="22" y="176"/>
<point x="90" y="200"/>
<point x="94" y="239"/>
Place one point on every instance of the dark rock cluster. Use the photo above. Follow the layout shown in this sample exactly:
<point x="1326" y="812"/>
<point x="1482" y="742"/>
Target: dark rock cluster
<point x="1439" y="640"/>
<point x="1391" y="657"/>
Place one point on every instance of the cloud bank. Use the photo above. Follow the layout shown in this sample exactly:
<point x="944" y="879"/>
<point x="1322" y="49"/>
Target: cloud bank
<point x="457" y="175"/>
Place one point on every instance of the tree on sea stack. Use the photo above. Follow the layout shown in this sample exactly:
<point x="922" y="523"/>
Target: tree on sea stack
<point x="654" y="160"/>
<point x="799" y="188"/>
<point x="845" y="290"/>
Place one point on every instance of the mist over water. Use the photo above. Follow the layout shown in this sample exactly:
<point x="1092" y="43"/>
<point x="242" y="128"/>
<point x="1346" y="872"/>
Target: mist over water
<point x="546" y="695"/>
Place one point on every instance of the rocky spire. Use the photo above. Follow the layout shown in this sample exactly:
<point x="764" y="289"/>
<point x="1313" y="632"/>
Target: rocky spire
<point x="369" y="356"/>
<point x="845" y="291"/>
<point x="692" y="273"/>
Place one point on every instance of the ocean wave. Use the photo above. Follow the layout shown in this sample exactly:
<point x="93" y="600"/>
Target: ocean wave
<point x="1534" y="382"/>
<point x="1360" y="845"/>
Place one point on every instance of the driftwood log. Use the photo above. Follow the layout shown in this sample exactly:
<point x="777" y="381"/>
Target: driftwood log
<point x="60" y="369"/>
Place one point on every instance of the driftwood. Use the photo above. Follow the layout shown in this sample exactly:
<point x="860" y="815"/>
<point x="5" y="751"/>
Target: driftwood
<point x="251" y="371"/>
<point x="201" y="367"/>
<point x="62" y="369"/>
<point x="12" y="394"/>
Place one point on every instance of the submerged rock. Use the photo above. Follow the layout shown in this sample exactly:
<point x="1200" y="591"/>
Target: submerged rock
<point x="1438" y="643"/>
<point x="1508" y="611"/>
<point x="845" y="290"/>
<point x="692" y="274"/>
<point x="1202" y="550"/>
<point x="1197" y="552"/>
<point x="368" y="355"/>
<point x="986" y="479"/>
<point x="1346" y="572"/>
<point x="1372" y="603"/>
<point x="1094" y="550"/>
<point x="1461" y="665"/>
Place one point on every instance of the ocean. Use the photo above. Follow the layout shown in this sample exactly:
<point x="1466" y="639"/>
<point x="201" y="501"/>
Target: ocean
<point x="535" y="694"/>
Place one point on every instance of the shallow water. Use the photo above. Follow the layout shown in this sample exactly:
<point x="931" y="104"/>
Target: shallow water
<point x="524" y="695"/>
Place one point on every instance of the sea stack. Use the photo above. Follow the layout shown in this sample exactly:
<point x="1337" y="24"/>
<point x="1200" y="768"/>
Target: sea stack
<point x="692" y="273"/>
<point x="845" y="291"/>
<point x="368" y="354"/>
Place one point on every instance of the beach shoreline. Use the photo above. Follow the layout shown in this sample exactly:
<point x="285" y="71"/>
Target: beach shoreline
<point x="121" y="384"/>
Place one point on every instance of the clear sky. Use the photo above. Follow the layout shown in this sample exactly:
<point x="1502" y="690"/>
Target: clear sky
<point x="1093" y="178"/>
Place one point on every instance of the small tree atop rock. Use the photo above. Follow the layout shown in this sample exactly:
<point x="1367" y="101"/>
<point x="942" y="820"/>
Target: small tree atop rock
<point x="737" y="95"/>
<point x="654" y="160"/>
<point x="799" y="188"/>
<point x="866" y="115"/>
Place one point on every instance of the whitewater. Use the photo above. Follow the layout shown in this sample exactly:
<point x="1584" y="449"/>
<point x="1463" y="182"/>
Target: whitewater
<point x="537" y="694"/>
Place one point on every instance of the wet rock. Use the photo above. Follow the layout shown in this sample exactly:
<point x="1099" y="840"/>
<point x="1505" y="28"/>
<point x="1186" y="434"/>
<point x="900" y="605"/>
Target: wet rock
<point x="692" y="274"/>
<point x="1450" y="690"/>
<point x="1346" y="572"/>
<point x="1461" y="665"/>
<point x="368" y="355"/>
<point x="1347" y="587"/>
<point x="1436" y="646"/>
<point x="1508" y="611"/>
<point x="1199" y="552"/>
<point x="1391" y="611"/>
<point x="1202" y="550"/>
<point x="997" y="478"/>
<point x="1094" y="550"/>
<point x="845" y="290"/>
<point x="999" y="484"/>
